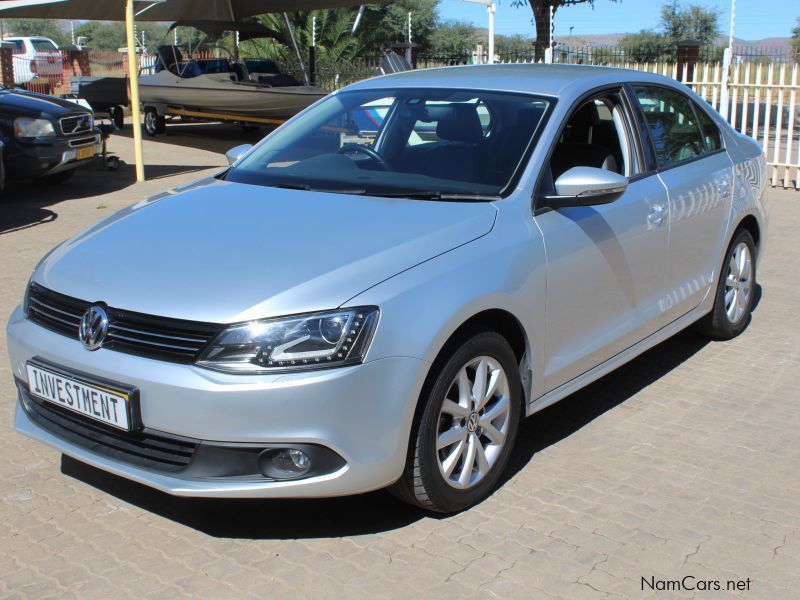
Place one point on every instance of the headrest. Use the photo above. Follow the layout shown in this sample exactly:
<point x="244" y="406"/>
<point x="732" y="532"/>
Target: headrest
<point x="585" y="116"/>
<point x="462" y="125"/>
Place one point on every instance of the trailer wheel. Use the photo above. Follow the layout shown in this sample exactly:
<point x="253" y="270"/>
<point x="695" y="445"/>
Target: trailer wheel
<point x="118" y="117"/>
<point x="154" y="123"/>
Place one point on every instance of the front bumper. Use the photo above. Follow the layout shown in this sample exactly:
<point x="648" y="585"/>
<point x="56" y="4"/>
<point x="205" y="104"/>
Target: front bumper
<point x="29" y="159"/>
<point x="361" y="413"/>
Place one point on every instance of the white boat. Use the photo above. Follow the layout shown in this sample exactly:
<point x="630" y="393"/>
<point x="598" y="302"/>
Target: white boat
<point x="224" y="86"/>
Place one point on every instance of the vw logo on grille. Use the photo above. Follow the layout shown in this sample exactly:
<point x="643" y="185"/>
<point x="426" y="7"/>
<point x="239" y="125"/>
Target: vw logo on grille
<point x="94" y="327"/>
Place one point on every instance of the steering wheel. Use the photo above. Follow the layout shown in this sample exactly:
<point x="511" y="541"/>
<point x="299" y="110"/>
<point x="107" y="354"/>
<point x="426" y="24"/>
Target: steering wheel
<point x="353" y="148"/>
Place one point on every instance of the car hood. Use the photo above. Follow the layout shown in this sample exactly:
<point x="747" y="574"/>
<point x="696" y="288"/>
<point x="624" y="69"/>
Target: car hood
<point x="21" y="103"/>
<point x="224" y="252"/>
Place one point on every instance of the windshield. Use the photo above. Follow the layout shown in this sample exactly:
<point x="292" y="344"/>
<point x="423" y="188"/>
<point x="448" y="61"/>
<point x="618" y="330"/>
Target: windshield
<point x="401" y="142"/>
<point x="43" y="46"/>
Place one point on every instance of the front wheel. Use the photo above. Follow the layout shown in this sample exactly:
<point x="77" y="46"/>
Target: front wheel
<point x="736" y="289"/>
<point x="465" y="430"/>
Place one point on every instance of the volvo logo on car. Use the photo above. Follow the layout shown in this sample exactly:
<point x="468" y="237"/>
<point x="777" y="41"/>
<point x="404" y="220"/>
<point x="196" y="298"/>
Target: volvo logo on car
<point x="93" y="328"/>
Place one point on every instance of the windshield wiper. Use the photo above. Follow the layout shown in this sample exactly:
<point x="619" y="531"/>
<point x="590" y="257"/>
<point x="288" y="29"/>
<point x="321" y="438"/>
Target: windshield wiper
<point x="307" y="188"/>
<point x="441" y="196"/>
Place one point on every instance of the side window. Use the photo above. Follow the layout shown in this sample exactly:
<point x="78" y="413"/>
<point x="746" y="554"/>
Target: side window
<point x="595" y="135"/>
<point x="19" y="47"/>
<point x="710" y="130"/>
<point x="672" y="123"/>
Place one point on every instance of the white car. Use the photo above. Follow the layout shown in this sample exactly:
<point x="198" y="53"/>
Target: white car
<point x="35" y="57"/>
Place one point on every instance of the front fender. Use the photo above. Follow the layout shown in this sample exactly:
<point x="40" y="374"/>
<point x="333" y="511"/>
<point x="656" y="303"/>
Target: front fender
<point x="421" y="308"/>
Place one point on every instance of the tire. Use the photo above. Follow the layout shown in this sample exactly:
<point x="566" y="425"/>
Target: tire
<point x="154" y="124"/>
<point x="736" y="290"/>
<point x="118" y="117"/>
<point x="425" y="481"/>
<point x="58" y="178"/>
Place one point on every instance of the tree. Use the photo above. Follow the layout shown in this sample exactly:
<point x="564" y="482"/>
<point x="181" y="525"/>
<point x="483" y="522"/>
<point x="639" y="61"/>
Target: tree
<point x="55" y="30"/>
<point x="453" y="37"/>
<point x="645" y="46"/>
<point x="678" y="22"/>
<point x="796" y="40"/>
<point x="110" y="35"/>
<point x="681" y="21"/>
<point x="541" y="18"/>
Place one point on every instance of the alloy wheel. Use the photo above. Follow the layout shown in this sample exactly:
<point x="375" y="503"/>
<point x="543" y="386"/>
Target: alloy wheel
<point x="473" y="422"/>
<point x="738" y="283"/>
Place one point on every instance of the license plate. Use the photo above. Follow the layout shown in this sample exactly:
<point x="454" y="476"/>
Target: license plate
<point x="85" y="153"/>
<point x="102" y="404"/>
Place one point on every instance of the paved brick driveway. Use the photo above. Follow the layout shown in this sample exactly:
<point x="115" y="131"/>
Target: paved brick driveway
<point x="685" y="462"/>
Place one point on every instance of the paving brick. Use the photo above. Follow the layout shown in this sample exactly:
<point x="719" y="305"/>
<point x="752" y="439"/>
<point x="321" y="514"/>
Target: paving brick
<point x="683" y="462"/>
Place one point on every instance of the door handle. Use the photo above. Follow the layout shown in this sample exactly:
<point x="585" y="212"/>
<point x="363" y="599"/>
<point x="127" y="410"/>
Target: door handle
<point x="657" y="214"/>
<point x="724" y="188"/>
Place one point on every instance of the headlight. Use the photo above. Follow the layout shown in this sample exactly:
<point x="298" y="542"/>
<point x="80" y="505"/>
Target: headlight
<point x="25" y="127"/>
<point x="311" y="341"/>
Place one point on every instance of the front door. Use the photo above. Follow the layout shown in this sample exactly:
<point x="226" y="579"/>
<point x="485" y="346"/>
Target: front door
<point x="605" y="263"/>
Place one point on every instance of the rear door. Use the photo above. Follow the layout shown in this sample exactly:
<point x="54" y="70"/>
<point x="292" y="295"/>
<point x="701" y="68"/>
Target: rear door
<point x="698" y="175"/>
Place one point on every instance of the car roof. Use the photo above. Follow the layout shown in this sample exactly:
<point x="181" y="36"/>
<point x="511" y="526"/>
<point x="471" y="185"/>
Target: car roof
<point x="546" y="80"/>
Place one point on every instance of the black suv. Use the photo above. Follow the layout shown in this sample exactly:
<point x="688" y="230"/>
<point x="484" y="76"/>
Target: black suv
<point x="43" y="137"/>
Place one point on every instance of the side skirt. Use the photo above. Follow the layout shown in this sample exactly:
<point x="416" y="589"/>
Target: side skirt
<point x="618" y="360"/>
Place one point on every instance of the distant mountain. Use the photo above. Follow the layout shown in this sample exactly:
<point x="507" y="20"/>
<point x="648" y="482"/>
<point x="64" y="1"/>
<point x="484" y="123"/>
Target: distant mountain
<point x="769" y="46"/>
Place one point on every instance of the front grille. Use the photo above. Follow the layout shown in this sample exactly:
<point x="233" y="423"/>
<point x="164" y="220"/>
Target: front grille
<point x="174" y="340"/>
<point x="145" y="448"/>
<point x="76" y="124"/>
<point x="84" y="141"/>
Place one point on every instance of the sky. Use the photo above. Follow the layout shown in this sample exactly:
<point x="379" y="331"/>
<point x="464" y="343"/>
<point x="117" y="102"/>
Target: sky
<point x="753" y="20"/>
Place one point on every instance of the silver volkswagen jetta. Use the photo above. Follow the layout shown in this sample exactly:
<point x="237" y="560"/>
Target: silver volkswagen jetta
<point x="381" y="289"/>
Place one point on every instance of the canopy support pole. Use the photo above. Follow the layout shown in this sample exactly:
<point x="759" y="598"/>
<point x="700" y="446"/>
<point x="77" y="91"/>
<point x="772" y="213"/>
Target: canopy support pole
<point x="133" y="70"/>
<point x="296" y="49"/>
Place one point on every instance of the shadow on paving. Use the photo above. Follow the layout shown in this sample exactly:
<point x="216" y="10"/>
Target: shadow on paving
<point x="213" y="137"/>
<point x="378" y="511"/>
<point x="25" y="204"/>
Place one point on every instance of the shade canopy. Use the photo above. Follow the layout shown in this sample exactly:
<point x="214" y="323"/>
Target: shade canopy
<point x="166" y="10"/>
<point x="248" y="30"/>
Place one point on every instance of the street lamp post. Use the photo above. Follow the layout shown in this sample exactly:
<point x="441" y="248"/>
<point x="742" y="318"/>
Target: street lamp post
<point x="491" y="7"/>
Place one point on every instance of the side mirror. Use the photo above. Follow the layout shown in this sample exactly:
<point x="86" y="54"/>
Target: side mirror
<point x="586" y="186"/>
<point x="237" y="152"/>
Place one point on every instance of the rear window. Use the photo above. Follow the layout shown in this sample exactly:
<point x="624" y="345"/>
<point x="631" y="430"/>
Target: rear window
<point x="44" y="46"/>
<point x="710" y="130"/>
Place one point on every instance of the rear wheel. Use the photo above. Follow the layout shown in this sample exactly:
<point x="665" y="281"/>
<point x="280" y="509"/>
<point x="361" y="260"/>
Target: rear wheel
<point x="735" y="291"/>
<point x="154" y="123"/>
<point x="466" y="426"/>
<point x="118" y="117"/>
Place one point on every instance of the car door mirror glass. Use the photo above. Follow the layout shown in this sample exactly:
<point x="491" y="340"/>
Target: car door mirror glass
<point x="237" y="152"/>
<point x="586" y="186"/>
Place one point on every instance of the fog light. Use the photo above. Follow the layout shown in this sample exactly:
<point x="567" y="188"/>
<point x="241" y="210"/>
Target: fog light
<point x="284" y="463"/>
<point x="292" y="461"/>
